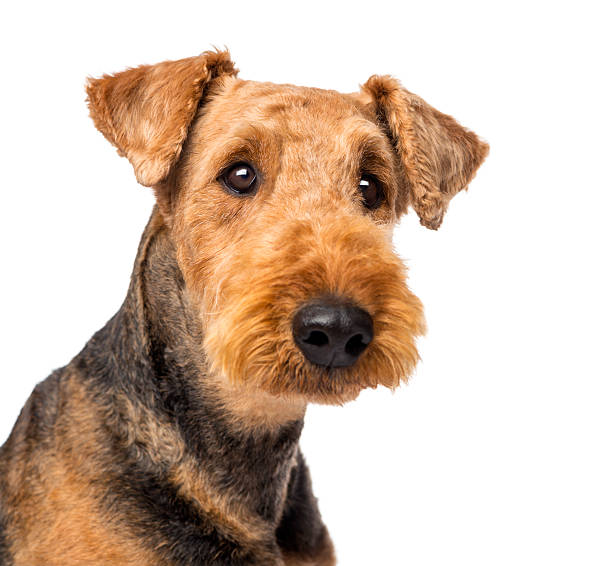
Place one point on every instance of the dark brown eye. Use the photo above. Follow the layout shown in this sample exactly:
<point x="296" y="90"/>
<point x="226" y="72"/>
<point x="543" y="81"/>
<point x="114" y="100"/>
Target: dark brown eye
<point x="370" y="192"/>
<point x="240" y="178"/>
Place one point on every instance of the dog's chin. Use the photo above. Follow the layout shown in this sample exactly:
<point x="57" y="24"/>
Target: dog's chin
<point x="306" y="382"/>
<point x="320" y="387"/>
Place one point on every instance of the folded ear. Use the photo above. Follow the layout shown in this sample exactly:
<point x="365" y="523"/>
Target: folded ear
<point x="438" y="156"/>
<point x="145" y="112"/>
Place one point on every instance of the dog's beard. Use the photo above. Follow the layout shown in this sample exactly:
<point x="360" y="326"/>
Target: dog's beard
<point x="247" y="317"/>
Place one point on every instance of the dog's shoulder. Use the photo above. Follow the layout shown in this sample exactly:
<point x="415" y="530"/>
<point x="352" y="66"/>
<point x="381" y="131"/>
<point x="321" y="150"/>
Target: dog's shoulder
<point x="36" y="420"/>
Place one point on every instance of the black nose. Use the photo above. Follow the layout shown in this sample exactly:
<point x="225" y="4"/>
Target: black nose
<point x="332" y="334"/>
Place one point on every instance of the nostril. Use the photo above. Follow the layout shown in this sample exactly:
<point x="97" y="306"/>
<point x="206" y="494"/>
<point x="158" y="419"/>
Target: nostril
<point x="317" y="338"/>
<point x="355" y="345"/>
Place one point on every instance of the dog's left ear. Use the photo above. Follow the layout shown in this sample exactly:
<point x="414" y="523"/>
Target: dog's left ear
<point x="438" y="156"/>
<point x="145" y="112"/>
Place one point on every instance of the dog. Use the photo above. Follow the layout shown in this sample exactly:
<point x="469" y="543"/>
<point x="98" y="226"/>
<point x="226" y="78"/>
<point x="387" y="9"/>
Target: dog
<point x="265" y="280"/>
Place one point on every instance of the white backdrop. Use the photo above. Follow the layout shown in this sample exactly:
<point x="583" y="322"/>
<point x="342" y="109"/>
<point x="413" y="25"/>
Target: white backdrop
<point x="499" y="451"/>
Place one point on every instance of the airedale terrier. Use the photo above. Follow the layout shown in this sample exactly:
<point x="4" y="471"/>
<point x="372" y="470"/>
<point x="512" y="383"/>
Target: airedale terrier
<point x="265" y="280"/>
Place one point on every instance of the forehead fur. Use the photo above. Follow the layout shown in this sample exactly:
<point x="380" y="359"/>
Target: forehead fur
<point x="270" y="100"/>
<point x="293" y="113"/>
<point x="313" y="135"/>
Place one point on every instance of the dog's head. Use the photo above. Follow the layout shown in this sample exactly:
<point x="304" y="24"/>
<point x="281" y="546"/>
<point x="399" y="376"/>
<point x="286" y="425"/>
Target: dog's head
<point x="280" y="201"/>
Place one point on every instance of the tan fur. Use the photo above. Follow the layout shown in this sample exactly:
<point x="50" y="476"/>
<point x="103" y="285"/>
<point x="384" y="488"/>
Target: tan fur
<point x="302" y="236"/>
<point x="216" y="287"/>
<point x="439" y="156"/>
<point x="74" y="534"/>
<point x="251" y="407"/>
<point x="59" y="521"/>
<point x="230" y="517"/>
<point x="146" y="112"/>
<point x="167" y="448"/>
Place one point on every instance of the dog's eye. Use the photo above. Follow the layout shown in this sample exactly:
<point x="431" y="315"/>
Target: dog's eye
<point x="370" y="192"/>
<point x="239" y="178"/>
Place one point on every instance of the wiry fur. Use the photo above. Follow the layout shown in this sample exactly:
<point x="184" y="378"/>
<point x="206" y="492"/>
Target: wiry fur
<point x="146" y="116"/>
<point x="303" y="235"/>
<point x="439" y="156"/>
<point x="172" y="438"/>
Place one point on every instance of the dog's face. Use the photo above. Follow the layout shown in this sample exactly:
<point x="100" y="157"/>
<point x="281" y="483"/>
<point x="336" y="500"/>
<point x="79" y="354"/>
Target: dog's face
<point x="270" y="217"/>
<point x="280" y="201"/>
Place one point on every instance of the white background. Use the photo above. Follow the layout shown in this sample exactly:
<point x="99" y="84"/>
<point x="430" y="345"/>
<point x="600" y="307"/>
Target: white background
<point x="499" y="451"/>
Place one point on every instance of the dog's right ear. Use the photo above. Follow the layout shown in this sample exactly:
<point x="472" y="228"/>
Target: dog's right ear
<point x="146" y="112"/>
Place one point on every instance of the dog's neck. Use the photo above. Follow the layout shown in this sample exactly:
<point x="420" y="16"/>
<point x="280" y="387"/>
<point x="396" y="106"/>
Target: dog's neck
<point x="169" y="412"/>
